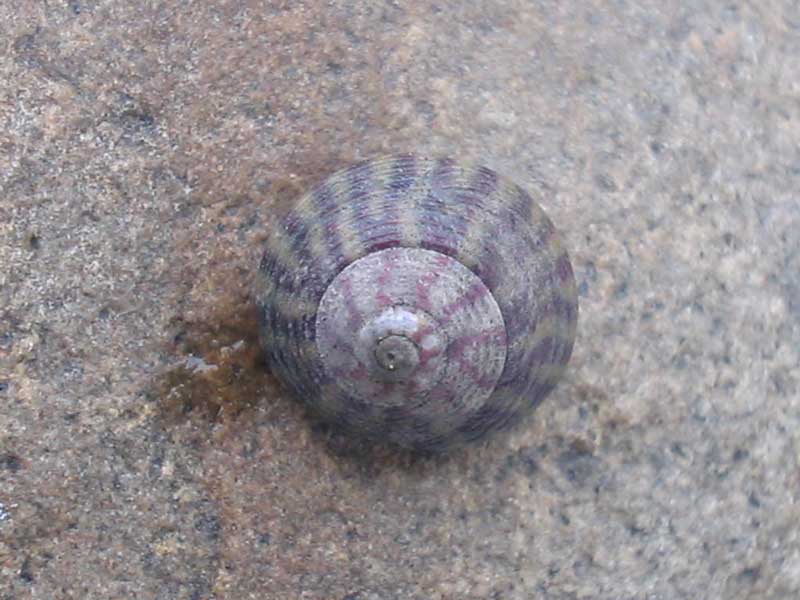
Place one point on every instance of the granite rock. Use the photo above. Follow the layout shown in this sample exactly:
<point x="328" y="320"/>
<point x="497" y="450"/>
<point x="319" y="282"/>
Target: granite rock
<point x="145" y="149"/>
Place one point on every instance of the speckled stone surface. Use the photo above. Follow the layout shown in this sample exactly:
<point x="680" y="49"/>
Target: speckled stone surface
<point x="145" y="148"/>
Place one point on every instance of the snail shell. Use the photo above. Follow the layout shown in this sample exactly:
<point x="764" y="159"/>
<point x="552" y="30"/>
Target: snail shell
<point x="417" y="301"/>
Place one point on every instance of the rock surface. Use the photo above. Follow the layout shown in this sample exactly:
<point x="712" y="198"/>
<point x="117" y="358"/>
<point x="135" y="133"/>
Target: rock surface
<point x="146" y="147"/>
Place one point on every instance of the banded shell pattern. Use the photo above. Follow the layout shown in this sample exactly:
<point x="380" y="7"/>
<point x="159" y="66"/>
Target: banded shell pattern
<point x="417" y="301"/>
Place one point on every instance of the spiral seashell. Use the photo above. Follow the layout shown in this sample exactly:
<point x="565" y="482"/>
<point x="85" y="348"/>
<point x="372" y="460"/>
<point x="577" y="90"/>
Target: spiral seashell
<point x="417" y="301"/>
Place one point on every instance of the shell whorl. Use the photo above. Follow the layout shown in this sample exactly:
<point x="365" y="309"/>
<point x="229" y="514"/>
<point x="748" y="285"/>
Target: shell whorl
<point x="417" y="301"/>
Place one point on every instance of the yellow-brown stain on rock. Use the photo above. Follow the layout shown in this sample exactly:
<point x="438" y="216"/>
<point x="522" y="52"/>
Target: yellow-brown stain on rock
<point x="221" y="373"/>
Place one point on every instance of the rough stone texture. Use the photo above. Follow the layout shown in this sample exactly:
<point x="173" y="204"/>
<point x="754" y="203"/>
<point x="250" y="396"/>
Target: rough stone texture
<point x="146" y="147"/>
